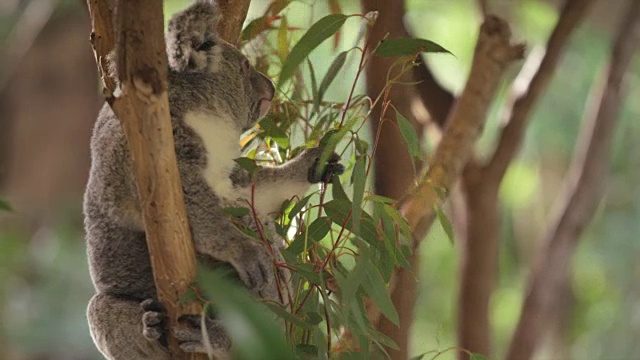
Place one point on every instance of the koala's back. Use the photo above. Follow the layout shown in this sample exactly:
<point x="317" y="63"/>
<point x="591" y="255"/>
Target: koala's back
<point x="116" y="244"/>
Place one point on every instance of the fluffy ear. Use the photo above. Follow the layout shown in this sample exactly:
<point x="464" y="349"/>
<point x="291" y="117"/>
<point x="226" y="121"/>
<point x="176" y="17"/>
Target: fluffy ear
<point x="188" y="30"/>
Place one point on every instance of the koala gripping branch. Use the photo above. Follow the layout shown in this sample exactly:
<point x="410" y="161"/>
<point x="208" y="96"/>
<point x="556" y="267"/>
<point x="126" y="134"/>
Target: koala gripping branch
<point x="143" y="108"/>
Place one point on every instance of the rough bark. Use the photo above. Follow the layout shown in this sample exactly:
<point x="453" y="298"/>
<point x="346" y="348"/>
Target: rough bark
<point x="143" y="109"/>
<point x="585" y="184"/>
<point x="233" y="13"/>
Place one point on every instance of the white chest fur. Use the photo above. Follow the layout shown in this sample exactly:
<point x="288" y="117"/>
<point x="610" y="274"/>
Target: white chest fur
<point x="220" y="137"/>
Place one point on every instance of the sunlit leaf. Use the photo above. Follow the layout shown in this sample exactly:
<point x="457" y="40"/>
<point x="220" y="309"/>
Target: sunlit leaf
<point x="408" y="47"/>
<point x="282" y="43"/>
<point x="316" y="34"/>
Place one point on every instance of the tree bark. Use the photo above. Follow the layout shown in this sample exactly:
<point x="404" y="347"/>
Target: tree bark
<point x="143" y="109"/>
<point x="479" y="258"/>
<point x="233" y="13"/>
<point x="585" y="186"/>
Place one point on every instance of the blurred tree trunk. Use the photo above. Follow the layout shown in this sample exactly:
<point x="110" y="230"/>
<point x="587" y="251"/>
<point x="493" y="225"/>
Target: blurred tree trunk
<point x="48" y="107"/>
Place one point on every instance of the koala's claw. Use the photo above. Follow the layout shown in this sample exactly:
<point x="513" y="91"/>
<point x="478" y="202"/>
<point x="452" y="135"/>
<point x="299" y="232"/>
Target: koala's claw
<point x="331" y="168"/>
<point x="190" y="338"/>
<point x="154" y="321"/>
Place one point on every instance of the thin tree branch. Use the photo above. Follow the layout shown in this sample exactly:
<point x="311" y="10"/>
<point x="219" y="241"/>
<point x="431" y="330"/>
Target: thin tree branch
<point x="492" y="55"/>
<point x="479" y="252"/>
<point x="585" y="184"/>
<point x="143" y="109"/>
<point x="103" y="40"/>
<point x="530" y="85"/>
<point x="234" y="12"/>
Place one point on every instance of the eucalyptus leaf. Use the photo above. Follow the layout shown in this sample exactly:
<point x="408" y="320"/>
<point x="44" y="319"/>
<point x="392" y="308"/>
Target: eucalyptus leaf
<point x="317" y="33"/>
<point x="408" y="47"/>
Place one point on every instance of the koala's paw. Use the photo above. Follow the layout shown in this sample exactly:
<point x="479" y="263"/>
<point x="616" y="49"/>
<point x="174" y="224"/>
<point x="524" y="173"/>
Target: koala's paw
<point x="332" y="167"/>
<point x="154" y="321"/>
<point x="190" y="336"/>
<point x="255" y="267"/>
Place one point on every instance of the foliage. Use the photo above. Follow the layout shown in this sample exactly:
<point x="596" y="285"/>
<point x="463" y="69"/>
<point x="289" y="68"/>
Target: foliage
<point x="343" y="241"/>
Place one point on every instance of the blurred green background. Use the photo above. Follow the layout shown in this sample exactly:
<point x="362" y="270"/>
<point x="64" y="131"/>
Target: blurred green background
<point x="49" y="98"/>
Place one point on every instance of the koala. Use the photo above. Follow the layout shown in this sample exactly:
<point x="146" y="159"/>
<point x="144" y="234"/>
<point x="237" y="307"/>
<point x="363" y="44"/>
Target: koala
<point x="214" y="95"/>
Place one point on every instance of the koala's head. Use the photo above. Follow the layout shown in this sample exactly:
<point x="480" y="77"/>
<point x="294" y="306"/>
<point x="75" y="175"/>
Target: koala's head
<point x="193" y="46"/>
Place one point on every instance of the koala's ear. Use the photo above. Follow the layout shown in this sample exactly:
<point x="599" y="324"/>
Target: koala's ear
<point x="188" y="30"/>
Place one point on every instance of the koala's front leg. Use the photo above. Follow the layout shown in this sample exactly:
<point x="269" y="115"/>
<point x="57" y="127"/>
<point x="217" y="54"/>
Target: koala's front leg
<point x="276" y="184"/>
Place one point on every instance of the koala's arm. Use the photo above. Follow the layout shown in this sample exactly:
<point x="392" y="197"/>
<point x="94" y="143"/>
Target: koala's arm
<point x="276" y="184"/>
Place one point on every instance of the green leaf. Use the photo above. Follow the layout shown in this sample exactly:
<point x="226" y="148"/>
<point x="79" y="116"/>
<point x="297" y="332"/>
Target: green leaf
<point x="236" y="211"/>
<point x="316" y="34"/>
<point x="349" y="287"/>
<point x="295" y="210"/>
<point x="314" y="81"/>
<point x="338" y="211"/>
<point x="333" y="70"/>
<point x="247" y="164"/>
<point x="337" y="191"/>
<point x="248" y="322"/>
<point x="408" y="47"/>
<point x="409" y="135"/>
<point x="359" y="177"/>
<point x="5" y="206"/>
<point x="375" y="287"/>
<point x="380" y="199"/>
<point x="288" y="317"/>
<point x="474" y="356"/>
<point x="445" y="223"/>
<point x="315" y="232"/>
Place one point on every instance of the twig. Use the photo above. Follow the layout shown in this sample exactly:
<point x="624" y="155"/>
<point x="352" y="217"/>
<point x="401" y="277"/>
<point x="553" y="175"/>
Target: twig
<point x="585" y="185"/>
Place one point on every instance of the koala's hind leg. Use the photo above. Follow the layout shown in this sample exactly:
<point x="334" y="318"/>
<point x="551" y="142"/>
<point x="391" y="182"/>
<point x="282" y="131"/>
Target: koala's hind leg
<point x="116" y="328"/>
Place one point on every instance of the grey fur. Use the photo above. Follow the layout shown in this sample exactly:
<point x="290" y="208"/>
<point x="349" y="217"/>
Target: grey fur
<point x="213" y="85"/>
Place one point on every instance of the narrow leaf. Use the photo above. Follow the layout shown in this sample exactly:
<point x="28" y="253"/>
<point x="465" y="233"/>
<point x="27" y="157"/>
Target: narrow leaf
<point x="315" y="232"/>
<point x="445" y="223"/>
<point x="359" y="178"/>
<point x="316" y="34"/>
<point x="333" y="70"/>
<point x="295" y="210"/>
<point x="375" y="287"/>
<point x="409" y="135"/>
<point x="408" y="47"/>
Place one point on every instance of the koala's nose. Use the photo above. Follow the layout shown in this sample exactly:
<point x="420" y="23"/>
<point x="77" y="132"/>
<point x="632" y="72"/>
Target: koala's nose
<point x="270" y="90"/>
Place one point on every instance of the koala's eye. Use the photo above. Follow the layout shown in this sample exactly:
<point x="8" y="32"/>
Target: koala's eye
<point x="246" y="65"/>
<point x="207" y="45"/>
